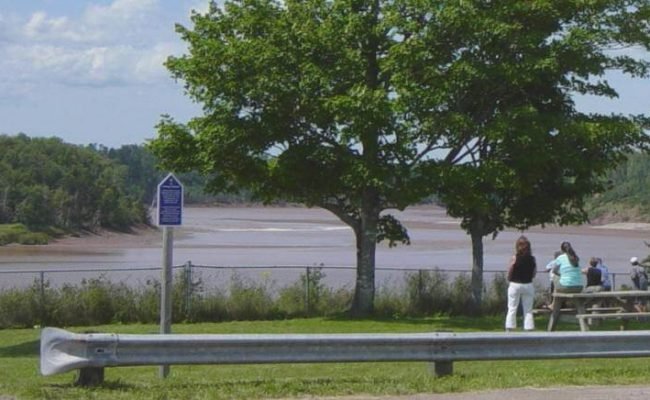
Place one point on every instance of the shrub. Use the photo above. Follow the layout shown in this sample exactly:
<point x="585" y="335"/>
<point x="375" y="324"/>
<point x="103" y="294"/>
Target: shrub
<point x="249" y="300"/>
<point x="100" y="301"/>
<point x="461" y="299"/>
<point x="496" y="295"/>
<point x="428" y="292"/>
<point x="32" y="238"/>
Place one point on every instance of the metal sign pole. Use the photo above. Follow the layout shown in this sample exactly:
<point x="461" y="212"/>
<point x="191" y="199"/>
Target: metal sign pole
<point x="170" y="214"/>
<point x="166" y="288"/>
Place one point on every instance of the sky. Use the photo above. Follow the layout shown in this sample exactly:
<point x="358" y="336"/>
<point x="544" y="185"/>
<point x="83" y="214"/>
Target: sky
<point x="91" y="71"/>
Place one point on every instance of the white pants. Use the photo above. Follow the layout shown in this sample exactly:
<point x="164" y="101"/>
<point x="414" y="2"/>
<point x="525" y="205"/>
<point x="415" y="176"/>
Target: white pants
<point x="524" y="292"/>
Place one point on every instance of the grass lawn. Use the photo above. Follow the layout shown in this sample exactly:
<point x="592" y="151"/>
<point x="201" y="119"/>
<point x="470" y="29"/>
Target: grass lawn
<point x="20" y="377"/>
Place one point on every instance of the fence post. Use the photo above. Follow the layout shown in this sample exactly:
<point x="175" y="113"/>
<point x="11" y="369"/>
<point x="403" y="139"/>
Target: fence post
<point x="42" y="296"/>
<point x="188" y="288"/>
<point x="307" y="291"/>
<point x="420" y="299"/>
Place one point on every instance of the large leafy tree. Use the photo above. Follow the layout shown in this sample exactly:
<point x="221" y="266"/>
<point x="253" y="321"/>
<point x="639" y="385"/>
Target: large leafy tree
<point x="529" y="156"/>
<point x="358" y="106"/>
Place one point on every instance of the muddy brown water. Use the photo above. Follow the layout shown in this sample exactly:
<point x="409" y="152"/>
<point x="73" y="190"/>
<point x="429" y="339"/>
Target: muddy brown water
<point x="246" y="237"/>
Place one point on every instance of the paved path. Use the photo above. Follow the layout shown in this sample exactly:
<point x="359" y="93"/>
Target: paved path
<point x="560" y="393"/>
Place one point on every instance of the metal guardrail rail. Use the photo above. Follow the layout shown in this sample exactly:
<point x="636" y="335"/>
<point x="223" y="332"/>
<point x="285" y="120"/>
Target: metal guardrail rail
<point x="63" y="351"/>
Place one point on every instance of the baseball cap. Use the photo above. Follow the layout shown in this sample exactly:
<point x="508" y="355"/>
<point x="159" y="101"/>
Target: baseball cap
<point x="634" y="260"/>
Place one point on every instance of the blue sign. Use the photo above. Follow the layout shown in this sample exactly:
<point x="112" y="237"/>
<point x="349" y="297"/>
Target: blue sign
<point x="170" y="202"/>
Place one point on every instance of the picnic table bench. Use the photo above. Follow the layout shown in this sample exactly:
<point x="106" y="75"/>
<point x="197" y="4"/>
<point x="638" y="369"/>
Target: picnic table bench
<point x="625" y="310"/>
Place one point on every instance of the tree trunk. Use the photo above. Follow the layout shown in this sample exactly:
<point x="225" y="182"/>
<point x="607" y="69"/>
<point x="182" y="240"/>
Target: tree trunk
<point x="477" y="271"/>
<point x="366" y="241"/>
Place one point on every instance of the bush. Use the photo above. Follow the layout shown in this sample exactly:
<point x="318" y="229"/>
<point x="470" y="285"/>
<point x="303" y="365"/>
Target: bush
<point x="496" y="295"/>
<point x="249" y="300"/>
<point x="428" y="293"/>
<point x="100" y="301"/>
<point x="32" y="238"/>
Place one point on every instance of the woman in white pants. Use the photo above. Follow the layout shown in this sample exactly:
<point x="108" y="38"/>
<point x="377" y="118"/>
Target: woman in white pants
<point x="521" y="272"/>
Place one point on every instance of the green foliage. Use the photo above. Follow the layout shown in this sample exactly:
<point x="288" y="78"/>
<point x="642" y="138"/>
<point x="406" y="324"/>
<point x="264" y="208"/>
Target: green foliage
<point x="100" y="301"/>
<point x="46" y="183"/>
<point x="364" y="106"/>
<point x="427" y="291"/>
<point x="18" y="233"/>
<point x="249" y="300"/>
<point x="496" y="295"/>
<point x="309" y="296"/>
<point x="627" y="197"/>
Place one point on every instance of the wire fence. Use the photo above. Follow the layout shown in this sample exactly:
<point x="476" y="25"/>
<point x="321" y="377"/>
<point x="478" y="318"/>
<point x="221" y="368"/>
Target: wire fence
<point x="219" y="278"/>
<point x="91" y="296"/>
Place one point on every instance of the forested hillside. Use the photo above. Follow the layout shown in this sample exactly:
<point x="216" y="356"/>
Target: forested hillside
<point x="143" y="176"/>
<point x="47" y="183"/>
<point x="628" y="196"/>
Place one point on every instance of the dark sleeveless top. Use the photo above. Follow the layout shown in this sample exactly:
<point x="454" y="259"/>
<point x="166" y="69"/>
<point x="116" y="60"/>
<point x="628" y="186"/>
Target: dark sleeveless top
<point x="523" y="270"/>
<point x="593" y="276"/>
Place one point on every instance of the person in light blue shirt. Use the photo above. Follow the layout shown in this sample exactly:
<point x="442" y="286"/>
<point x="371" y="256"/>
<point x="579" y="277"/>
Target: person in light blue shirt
<point x="567" y="265"/>
<point x="607" y="283"/>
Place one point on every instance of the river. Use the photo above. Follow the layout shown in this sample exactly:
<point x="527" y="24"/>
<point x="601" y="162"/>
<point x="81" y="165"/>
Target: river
<point x="297" y="236"/>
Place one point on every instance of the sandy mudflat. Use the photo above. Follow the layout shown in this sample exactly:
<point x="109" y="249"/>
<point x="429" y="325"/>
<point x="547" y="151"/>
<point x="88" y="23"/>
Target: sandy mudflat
<point x="143" y="237"/>
<point x="139" y="237"/>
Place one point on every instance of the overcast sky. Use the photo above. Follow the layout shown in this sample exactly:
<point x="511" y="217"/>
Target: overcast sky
<point x="91" y="71"/>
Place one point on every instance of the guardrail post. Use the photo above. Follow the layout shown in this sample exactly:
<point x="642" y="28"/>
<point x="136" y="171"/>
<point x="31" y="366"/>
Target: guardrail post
<point x="443" y="368"/>
<point x="89" y="376"/>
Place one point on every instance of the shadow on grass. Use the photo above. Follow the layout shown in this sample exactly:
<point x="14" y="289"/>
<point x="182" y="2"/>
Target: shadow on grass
<point x="443" y="322"/>
<point x="107" y="385"/>
<point x="31" y="348"/>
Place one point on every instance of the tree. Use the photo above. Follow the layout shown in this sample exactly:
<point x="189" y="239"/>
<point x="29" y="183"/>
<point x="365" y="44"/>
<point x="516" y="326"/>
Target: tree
<point x="359" y="106"/>
<point x="300" y="104"/>
<point x="46" y="182"/>
<point x="529" y="156"/>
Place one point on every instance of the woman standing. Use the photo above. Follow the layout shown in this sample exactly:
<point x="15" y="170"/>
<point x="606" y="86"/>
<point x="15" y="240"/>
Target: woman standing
<point x="568" y="267"/>
<point x="521" y="272"/>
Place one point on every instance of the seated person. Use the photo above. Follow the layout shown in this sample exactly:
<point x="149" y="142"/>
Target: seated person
<point x="594" y="276"/>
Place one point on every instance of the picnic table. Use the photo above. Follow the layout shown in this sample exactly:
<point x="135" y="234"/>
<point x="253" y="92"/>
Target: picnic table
<point x="624" y="302"/>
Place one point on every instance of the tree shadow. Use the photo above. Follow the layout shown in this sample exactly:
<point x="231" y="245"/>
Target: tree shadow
<point x="461" y="323"/>
<point x="108" y="385"/>
<point x="31" y="348"/>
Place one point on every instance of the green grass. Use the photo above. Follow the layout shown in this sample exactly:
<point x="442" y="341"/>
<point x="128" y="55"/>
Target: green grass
<point x="20" y="376"/>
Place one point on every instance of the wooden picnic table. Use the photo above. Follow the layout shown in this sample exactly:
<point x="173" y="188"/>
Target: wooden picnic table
<point x="626" y="299"/>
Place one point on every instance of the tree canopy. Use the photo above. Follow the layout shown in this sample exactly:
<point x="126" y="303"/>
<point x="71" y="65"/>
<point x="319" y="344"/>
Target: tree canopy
<point x="359" y="106"/>
<point x="48" y="183"/>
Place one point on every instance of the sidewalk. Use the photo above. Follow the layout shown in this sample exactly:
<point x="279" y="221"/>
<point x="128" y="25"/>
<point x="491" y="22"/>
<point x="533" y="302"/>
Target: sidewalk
<point x="558" y="393"/>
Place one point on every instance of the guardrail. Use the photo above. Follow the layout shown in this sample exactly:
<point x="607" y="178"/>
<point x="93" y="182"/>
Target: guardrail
<point x="63" y="351"/>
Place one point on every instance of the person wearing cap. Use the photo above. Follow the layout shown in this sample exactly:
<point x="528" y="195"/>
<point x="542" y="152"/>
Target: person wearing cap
<point x="638" y="275"/>
<point x="640" y="280"/>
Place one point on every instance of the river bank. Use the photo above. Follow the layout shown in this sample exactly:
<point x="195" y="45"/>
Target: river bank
<point x="276" y="236"/>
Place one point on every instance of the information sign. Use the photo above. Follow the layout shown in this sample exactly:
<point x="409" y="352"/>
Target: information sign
<point x="170" y="202"/>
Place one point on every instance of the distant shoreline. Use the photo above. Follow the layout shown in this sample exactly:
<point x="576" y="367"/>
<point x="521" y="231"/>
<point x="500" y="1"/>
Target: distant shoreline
<point x="143" y="236"/>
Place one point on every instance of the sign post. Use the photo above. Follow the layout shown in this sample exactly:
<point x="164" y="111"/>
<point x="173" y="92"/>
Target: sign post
<point x="170" y="213"/>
